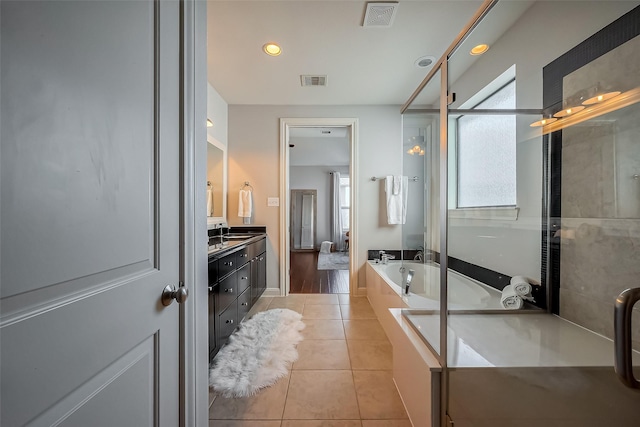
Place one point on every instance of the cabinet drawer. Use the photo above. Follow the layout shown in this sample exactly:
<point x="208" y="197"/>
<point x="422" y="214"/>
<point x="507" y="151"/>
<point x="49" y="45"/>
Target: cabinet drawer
<point x="226" y="265"/>
<point x="228" y="321"/>
<point x="257" y="248"/>
<point x="242" y="256"/>
<point x="227" y="290"/>
<point x="244" y="304"/>
<point x="244" y="278"/>
<point x="213" y="272"/>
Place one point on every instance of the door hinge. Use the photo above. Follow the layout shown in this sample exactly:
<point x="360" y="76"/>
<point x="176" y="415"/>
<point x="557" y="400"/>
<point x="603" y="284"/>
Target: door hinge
<point x="451" y="98"/>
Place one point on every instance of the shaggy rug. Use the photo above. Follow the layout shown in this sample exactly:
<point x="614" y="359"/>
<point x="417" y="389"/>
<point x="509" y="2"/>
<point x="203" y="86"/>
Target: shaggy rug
<point x="258" y="353"/>
<point x="333" y="261"/>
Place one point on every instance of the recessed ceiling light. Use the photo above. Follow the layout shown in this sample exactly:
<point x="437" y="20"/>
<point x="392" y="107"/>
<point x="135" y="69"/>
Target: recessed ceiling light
<point x="424" y="61"/>
<point x="272" y="49"/>
<point x="479" y="49"/>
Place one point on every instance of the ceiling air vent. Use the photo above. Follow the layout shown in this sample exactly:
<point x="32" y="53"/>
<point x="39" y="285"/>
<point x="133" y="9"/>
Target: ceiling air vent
<point x="379" y="15"/>
<point x="313" y="80"/>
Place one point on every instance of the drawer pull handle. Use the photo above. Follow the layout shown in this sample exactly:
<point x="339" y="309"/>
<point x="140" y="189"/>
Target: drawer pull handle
<point x="245" y="255"/>
<point x="245" y="303"/>
<point x="262" y="258"/>
<point x="230" y="321"/>
<point x="229" y="290"/>
<point x="244" y="278"/>
<point x="229" y="263"/>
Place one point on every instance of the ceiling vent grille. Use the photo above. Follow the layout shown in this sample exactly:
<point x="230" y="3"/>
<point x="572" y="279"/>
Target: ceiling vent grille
<point x="379" y="15"/>
<point x="310" y="80"/>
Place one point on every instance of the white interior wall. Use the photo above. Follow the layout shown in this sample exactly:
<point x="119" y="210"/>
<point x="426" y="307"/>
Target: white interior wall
<point x="218" y="113"/>
<point x="513" y="247"/>
<point x="317" y="178"/>
<point x="254" y="144"/>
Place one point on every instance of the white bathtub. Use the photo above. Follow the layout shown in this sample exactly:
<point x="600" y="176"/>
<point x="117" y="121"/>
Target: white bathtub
<point x="424" y="293"/>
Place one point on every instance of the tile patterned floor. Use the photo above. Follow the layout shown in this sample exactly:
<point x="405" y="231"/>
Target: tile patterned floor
<point x="343" y="377"/>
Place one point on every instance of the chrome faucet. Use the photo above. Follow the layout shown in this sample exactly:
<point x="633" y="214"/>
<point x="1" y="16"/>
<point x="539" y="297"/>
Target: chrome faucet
<point x="419" y="256"/>
<point x="386" y="258"/>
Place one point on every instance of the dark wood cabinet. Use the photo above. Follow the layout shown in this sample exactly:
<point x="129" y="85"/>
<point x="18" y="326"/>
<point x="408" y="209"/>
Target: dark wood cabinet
<point x="237" y="278"/>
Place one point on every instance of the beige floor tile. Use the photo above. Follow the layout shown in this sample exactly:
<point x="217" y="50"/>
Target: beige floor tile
<point x="321" y="395"/>
<point x="291" y="304"/>
<point x="261" y="305"/>
<point x="377" y="395"/>
<point x="323" y="330"/>
<point x="313" y="299"/>
<point x="346" y="299"/>
<point x="268" y="404"/>
<point x="243" y="423"/>
<point x="373" y="355"/>
<point x="364" y="329"/>
<point x="357" y="311"/>
<point x="321" y="423"/>
<point x="322" y="354"/>
<point x="386" y="423"/>
<point x="294" y="297"/>
<point x="321" y="312"/>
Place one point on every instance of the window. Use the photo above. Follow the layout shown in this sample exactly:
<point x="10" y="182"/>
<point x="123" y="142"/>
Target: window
<point x="486" y="154"/>
<point x="345" y="198"/>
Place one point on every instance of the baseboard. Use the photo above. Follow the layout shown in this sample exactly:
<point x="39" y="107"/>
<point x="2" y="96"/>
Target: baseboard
<point x="271" y="292"/>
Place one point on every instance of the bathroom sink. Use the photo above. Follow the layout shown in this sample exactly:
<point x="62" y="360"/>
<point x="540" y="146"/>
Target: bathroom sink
<point x="237" y="237"/>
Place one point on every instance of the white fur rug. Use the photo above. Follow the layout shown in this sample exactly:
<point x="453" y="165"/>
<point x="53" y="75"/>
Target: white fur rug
<point x="258" y="353"/>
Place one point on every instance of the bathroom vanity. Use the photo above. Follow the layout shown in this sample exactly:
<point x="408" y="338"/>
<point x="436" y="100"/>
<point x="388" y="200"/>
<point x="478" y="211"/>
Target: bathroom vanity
<point x="237" y="277"/>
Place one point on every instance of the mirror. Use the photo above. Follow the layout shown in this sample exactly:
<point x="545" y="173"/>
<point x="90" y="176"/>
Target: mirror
<point x="303" y="219"/>
<point x="216" y="181"/>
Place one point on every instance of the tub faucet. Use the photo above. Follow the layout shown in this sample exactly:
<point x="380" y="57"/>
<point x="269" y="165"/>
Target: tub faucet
<point x="386" y="258"/>
<point x="418" y="256"/>
<point x="407" y="282"/>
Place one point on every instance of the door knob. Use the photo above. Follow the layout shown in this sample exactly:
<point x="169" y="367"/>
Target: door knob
<point x="170" y="293"/>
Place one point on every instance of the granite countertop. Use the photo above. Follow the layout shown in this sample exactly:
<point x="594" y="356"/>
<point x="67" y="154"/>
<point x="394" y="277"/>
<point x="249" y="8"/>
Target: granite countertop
<point x="231" y="242"/>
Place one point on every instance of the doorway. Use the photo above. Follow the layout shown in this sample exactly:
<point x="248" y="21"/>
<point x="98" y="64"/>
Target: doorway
<point x="318" y="233"/>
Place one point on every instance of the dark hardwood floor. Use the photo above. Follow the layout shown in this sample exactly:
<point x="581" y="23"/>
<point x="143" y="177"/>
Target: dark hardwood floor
<point x="307" y="279"/>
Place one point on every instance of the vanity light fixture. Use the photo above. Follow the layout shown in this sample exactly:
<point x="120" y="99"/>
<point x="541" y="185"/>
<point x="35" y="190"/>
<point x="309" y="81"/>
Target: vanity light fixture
<point x="209" y="123"/>
<point x="601" y="98"/>
<point x="543" y="122"/>
<point x="417" y="148"/>
<point x="479" y="49"/>
<point x="568" y="111"/>
<point x="272" y="49"/>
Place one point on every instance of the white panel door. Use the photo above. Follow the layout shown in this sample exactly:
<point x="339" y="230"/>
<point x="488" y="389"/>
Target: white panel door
<point x="89" y="111"/>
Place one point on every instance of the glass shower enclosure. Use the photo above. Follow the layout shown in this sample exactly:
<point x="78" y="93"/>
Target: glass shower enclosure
<point x="529" y="219"/>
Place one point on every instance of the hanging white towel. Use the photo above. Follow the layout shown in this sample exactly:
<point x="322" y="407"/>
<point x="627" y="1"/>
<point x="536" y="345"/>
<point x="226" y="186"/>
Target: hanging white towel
<point x="209" y="203"/>
<point x="396" y="202"/>
<point x="397" y="184"/>
<point x="244" y="204"/>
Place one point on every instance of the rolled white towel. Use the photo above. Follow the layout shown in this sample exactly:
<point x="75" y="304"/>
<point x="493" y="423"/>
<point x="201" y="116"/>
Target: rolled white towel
<point x="510" y="300"/>
<point x="521" y="285"/>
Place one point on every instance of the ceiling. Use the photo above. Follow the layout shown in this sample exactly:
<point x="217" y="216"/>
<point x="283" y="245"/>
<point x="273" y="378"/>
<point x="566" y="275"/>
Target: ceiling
<point x="313" y="146"/>
<point x="364" y="66"/>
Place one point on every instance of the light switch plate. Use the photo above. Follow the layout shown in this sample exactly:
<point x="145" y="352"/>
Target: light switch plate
<point x="273" y="201"/>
